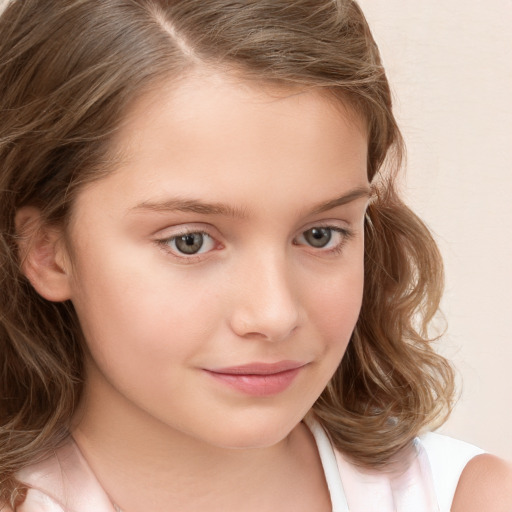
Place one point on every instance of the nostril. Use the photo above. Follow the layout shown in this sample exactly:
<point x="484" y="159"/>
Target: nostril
<point x="264" y="323"/>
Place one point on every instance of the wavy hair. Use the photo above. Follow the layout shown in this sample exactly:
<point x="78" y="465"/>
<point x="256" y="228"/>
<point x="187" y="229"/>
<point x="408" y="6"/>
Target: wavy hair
<point x="68" y="71"/>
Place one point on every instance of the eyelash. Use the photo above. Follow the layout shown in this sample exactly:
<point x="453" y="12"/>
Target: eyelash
<point x="164" y="243"/>
<point x="345" y="233"/>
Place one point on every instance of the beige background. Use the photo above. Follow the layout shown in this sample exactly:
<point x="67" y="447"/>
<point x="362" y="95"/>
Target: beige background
<point x="449" y="62"/>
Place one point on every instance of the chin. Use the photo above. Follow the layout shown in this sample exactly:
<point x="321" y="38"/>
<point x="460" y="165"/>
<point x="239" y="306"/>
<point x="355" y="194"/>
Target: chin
<point x="256" y="434"/>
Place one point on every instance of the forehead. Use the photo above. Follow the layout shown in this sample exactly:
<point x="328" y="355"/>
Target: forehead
<point x="215" y="137"/>
<point x="206" y="98"/>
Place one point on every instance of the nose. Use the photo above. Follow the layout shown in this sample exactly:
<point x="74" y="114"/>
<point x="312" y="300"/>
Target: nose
<point x="266" y="304"/>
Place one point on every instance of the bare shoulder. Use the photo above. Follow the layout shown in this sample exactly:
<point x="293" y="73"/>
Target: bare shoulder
<point x="485" y="484"/>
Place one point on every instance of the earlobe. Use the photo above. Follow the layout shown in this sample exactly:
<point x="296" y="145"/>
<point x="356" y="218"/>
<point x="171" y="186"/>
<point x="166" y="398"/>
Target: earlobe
<point x="42" y="255"/>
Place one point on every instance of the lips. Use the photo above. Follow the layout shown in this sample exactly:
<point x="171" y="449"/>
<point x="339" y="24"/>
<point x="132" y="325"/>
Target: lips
<point x="258" y="379"/>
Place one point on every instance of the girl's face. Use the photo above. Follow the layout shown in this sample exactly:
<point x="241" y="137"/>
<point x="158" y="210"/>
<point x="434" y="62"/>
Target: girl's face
<point x="218" y="273"/>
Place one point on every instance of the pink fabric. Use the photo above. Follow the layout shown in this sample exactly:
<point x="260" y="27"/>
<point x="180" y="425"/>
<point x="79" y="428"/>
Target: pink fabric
<point x="64" y="482"/>
<point x="403" y="489"/>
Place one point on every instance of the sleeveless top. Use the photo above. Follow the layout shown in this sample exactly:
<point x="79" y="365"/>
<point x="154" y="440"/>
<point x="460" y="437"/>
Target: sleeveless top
<point x="425" y="483"/>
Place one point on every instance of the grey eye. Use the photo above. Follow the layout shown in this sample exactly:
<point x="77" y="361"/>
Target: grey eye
<point x="318" y="237"/>
<point x="191" y="243"/>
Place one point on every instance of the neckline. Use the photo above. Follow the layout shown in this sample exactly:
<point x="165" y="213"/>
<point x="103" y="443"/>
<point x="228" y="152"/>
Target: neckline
<point x="67" y="479"/>
<point x="329" y="466"/>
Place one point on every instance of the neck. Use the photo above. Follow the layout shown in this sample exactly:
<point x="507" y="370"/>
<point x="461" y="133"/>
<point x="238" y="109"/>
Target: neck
<point x="143" y="464"/>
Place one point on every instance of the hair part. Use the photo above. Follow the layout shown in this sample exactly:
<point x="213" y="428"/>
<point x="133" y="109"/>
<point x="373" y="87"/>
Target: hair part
<point x="69" y="69"/>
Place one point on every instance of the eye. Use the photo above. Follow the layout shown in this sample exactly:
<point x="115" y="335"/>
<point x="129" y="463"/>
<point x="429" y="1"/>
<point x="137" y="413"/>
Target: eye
<point x="324" y="237"/>
<point x="188" y="244"/>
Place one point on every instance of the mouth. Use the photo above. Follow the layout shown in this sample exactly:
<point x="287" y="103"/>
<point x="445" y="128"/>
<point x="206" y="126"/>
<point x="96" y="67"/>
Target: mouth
<point x="258" y="379"/>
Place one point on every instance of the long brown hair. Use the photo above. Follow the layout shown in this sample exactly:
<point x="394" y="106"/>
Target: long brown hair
<point x="68" y="71"/>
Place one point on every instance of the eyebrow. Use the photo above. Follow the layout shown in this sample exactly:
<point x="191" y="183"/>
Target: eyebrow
<point x="191" y="205"/>
<point x="354" y="194"/>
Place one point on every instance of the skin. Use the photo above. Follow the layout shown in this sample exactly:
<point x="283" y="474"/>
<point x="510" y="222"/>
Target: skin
<point x="158" y="431"/>
<point x="485" y="484"/>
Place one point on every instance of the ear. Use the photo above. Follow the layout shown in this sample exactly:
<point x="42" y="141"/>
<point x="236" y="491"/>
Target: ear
<point x="44" y="261"/>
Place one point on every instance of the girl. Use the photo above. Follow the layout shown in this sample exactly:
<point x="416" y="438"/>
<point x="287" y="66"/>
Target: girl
<point x="212" y="296"/>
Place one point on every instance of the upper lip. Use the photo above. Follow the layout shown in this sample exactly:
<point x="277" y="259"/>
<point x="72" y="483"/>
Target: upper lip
<point x="258" y="368"/>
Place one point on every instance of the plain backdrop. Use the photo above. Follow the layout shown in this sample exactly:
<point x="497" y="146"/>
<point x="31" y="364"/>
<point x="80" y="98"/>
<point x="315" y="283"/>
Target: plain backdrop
<point x="450" y="66"/>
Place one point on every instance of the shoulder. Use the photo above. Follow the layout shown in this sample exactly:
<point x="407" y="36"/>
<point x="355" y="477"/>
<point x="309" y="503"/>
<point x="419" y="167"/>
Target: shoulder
<point x="485" y="484"/>
<point x="447" y="459"/>
<point x="466" y="478"/>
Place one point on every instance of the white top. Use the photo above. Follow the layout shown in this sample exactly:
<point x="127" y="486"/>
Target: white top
<point x="426" y="481"/>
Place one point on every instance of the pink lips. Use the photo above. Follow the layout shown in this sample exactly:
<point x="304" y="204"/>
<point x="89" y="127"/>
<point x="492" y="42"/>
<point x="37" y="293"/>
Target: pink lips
<point x="259" y="379"/>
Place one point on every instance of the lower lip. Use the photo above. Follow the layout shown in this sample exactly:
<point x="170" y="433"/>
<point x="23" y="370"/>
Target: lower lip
<point x="258" y="385"/>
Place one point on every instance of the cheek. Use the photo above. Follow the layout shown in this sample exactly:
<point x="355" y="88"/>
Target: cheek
<point x="335" y="306"/>
<point x="340" y="314"/>
<point x="134" y="311"/>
